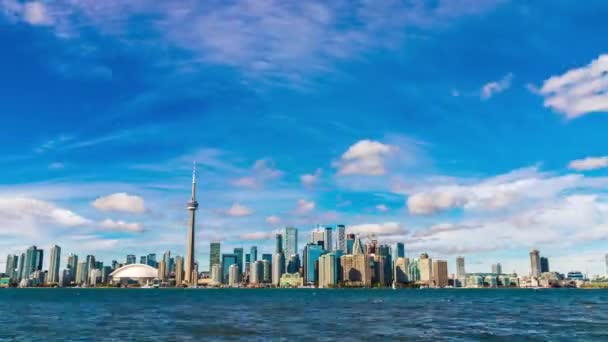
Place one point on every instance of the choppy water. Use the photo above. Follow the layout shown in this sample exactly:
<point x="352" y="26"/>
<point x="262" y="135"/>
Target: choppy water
<point x="305" y="314"/>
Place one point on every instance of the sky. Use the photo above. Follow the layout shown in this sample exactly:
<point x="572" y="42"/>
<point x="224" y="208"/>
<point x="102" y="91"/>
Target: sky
<point x="461" y="127"/>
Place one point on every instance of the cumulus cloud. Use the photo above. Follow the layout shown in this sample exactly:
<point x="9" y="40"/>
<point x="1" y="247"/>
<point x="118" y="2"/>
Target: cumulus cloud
<point x="589" y="163"/>
<point x="377" y="229"/>
<point x="239" y="210"/>
<point x="262" y="171"/>
<point x="492" y="88"/>
<point x="382" y="208"/>
<point x="497" y="192"/>
<point x="121" y="226"/>
<point x="305" y="206"/>
<point x="365" y="157"/>
<point x="120" y="202"/>
<point x="36" y="13"/>
<point x="310" y="179"/>
<point x="273" y="220"/>
<point x="578" y="91"/>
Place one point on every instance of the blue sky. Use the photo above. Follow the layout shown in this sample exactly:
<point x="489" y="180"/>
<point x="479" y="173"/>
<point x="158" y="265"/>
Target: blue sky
<point x="464" y="127"/>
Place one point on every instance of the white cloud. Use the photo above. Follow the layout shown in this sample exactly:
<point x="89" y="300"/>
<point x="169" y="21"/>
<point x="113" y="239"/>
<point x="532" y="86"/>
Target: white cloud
<point x="273" y="220"/>
<point x="28" y="209"/>
<point x="495" y="87"/>
<point x="36" y="13"/>
<point x="579" y="91"/>
<point x="120" y="202"/>
<point x="245" y="182"/>
<point x="382" y="208"/>
<point x="589" y="163"/>
<point x="257" y="236"/>
<point x="305" y="206"/>
<point x="519" y="186"/>
<point x="309" y="180"/>
<point x="377" y="229"/>
<point x="239" y="210"/>
<point x="366" y="157"/>
<point x="262" y="171"/>
<point x="121" y="226"/>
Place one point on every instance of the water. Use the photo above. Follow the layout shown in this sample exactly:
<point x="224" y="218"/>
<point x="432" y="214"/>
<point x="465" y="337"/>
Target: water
<point x="305" y="314"/>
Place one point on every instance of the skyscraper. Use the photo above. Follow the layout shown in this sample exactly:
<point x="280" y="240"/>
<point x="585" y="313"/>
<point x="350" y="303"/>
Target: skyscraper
<point x="168" y="264"/>
<point x="497" y="268"/>
<point x="256" y="274"/>
<point x="440" y="273"/>
<point x="33" y="261"/>
<point x="278" y="248"/>
<point x="398" y="250"/>
<point x="328" y="270"/>
<point x="266" y="270"/>
<point x="278" y="269"/>
<point x="239" y="257"/>
<point x="72" y="264"/>
<point x="254" y="253"/>
<point x="426" y="269"/>
<point x="401" y="270"/>
<point x="131" y="259"/>
<point x="350" y="241"/>
<point x="192" y="207"/>
<point x="227" y="261"/>
<point x="312" y="252"/>
<point x="11" y="266"/>
<point x="21" y="270"/>
<point x="534" y="263"/>
<point x="53" y="277"/>
<point x="290" y="240"/>
<point x="328" y="239"/>
<point x="357" y="247"/>
<point x="234" y="275"/>
<point x="179" y="270"/>
<point x="341" y="238"/>
<point x="151" y="260"/>
<point x="214" y="254"/>
<point x="460" y="271"/>
<point x="318" y="236"/>
<point x="544" y="265"/>
<point x="162" y="271"/>
<point x="356" y="270"/>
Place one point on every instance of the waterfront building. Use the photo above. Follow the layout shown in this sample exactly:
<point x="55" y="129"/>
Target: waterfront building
<point x="179" y="270"/>
<point x="53" y="277"/>
<point x="341" y="238"/>
<point x="401" y="270"/>
<point x="227" y="260"/>
<point x="350" y="241"/>
<point x="234" y="275"/>
<point x="356" y="270"/>
<point x="81" y="273"/>
<point x="385" y="251"/>
<point x="293" y="264"/>
<point x="370" y="248"/>
<point x="414" y="271"/>
<point x="216" y="274"/>
<point x="398" y="250"/>
<point x="279" y="268"/>
<point x="190" y="252"/>
<point x="133" y="274"/>
<point x="11" y="267"/>
<point x="162" y="268"/>
<point x="426" y="269"/>
<point x="131" y="259"/>
<point x="329" y="270"/>
<point x="290" y="241"/>
<point x="328" y="239"/>
<point x="544" y="265"/>
<point x="460" y="270"/>
<point x="33" y="261"/>
<point x="239" y="257"/>
<point x="278" y="248"/>
<point x="21" y="270"/>
<point x="291" y="280"/>
<point x="72" y="264"/>
<point x="256" y="273"/>
<point x="379" y="276"/>
<point x="266" y="271"/>
<point x="90" y="265"/>
<point x="497" y="268"/>
<point x="67" y="276"/>
<point x="318" y="236"/>
<point x="254" y="254"/>
<point x="94" y="277"/>
<point x="151" y="260"/>
<point x="440" y="273"/>
<point x="534" y="263"/>
<point x="214" y="254"/>
<point x="105" y="274"/>
<point x="312" y="252"/>
<point x="143" y="259"/>
<point x="357" y="247"/>
<point x="168" y="265"/>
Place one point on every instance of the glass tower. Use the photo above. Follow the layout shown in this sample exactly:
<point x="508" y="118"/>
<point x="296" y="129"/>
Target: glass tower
<point x="214" y="254"/>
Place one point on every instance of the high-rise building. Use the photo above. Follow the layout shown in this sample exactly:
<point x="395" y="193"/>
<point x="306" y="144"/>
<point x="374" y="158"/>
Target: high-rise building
<point x="379" y="275"/>
<point x="151" y="260"/>
<point x="497" y="268"/>
<point x="544" y="265"/>
<point x="33" y="261"/>
<point x="189" y="261"/>
<point x="247" y="258"/>
<point x="371" y="247"/>
<point x="290" y="241"/>
<point x="72" y="264"/>
<point x="239" y="257"/>
<point x="328" y="239"/>
<point x="385" y="251"/>
<point x="357" y="247"/>
<point x="278" y="269"/>
<point x="606" y="257"/>
<point x="214" y="254"/>
<point x="53" y="277"/>
<point x="278" y="248"/>
<point x="356" y="270"/>
<point x="460" y="271"/>
<point x="398" y="250"/>
<point x="114" y="264"/>
<point x="90" y="265"/>
<point x="401" y="270"/>
<point x="426" y="269"/>
<point x="81" y="272"/>
<point x="329" y="270"/>
<point x="168" y="264"/>
<point x="11" y="266"/>
<point x="216" y="274"/>
<point x="256" y="274"/>
<point x="105" y="274"/>
<point x="311" y="255"/>
<point x="179" y="270"/>
<point x="162" y="269"/>
<point x="534" y="263"/>
<point x="143" y="259"/>
<point x="293" y="264"/>
<point x="22" y="263"/>
<point x="350" y="242"/>
<point x="318" y="236"/>
<point x="227" y="260"/>
<point x="266" y="271"/>
<point x="341" y="238"/>
<point x="131" y="259"/>
<point x="440" y="273"/>
<point x="254" y="253"/>
<point x="234" y="275"/>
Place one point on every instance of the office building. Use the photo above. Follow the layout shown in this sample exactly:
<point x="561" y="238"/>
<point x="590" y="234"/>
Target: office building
<point x="278" y="248"/>
<point x="227" y="260"/>
<point x="350" y="242"/>
<point x="497" y="268"/>
<point x="256" y="274"/>
<point x="12" y="263"/>
<point x="357" y="247"/>
<point x="72" y="264"/>
<point x="460" y="270"/>
<point x="247" y="258"/>
<point x="216" y="274"/>
<point x="151" y="260"/>
<point x="90" y="265"/>
<point x="53" y="277"/>
<point x="370" y="248"/>
<point x="311" y="255"/>
<point x="266" y="271"/>
<point x="168" y="264"/>
<point x="33" y="261"/>
<point x="214" y="254"/>
<point x="318" y="236"/>
<point x="401" y="270"/>
<point x="81" y="273"/>
<point x="606" y="257"/>
<point x="179" y="270"/>
<point x="440" y="273"/>
<point x="534" y="263"/>
<point x="21" y="270"/>
<point x="278" y="269"/>
<point x="329" y="270"/>
<point x="341" y="229"/>
<point x="239" y="257"/>
<point x="426" y="269"/>
<point x="293" y="264"/>
<point x="105" y="274"/>
<point x="131" y="259"/>
<point x="398" y="250"/>
<point x="254" y="254"/>
<point x="162" y="269"/>
<point x="379" y="276"/>
<point x="234" y="275"/>
<point x="356" y="270"/>
<point x="328" y="241"/>
<point x="385" y="251"/>
<point x="143" y="259"/>
<point x="544" y="265"/>
<point x="290" y="241"/>
<point x="190" y="252"/>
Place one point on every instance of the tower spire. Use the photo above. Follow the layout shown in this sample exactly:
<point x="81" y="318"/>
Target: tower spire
<point x="194" y="181"/>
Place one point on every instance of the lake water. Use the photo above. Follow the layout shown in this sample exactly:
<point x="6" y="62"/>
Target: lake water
<point x="303" y="314"/>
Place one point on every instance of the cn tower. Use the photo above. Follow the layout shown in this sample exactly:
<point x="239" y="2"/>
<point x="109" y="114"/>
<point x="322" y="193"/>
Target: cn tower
<point x="192" y="206"/>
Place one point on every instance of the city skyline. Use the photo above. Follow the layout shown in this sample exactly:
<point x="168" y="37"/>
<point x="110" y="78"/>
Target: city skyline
<point x="442" y="126"/>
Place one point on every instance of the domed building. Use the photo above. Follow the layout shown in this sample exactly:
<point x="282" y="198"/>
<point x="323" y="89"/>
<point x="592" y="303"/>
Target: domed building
<point x="134" y="274"/>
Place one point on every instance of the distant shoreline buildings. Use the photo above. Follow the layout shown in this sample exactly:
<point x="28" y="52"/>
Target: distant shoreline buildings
<point x="333" y="258"/>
